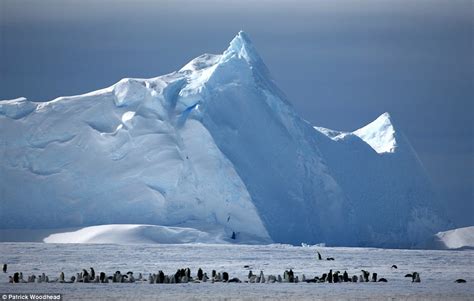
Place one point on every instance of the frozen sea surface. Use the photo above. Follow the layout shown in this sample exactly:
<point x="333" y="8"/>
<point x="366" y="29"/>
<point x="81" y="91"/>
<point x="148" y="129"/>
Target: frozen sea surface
<point x="438" y="271"/>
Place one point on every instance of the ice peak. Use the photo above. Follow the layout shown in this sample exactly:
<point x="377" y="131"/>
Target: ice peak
<point x="380" y="134"/>
<point x="242" y="47"/>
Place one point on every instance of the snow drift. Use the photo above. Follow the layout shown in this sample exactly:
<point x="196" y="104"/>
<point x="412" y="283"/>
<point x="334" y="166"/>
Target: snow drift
<point x="133" y="234"/>
<point x="215" y="146"/>
<point x="461" y="238"/>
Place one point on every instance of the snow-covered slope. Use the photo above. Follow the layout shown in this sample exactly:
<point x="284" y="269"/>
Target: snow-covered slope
<point x="215" y="147"/>
<point x="461" y="238"/>
<point x="133" y="234"/>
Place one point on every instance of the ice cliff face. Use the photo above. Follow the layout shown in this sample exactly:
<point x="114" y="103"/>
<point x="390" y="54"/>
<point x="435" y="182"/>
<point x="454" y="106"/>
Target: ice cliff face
<point x="215" y="147"/>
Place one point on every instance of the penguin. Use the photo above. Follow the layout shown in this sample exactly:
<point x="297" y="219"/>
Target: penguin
<point x="330" y="258"/>
<point x="10" y="279"/>
<point x="199" y="274"/>
<point x="236" y="280"/>
<point x="61" y="277"/>
<point x="204" y="277"/>
<point x="92" y="275"/>
<point x="16" y="278"/>
<point x="366" y="275"/>
<point x="177" y="276"/>
<point x="213" y="274"/>
<point x="323" y="277"/>
<point x="335" y="277"/>
<point x="225" y="277"/>
<point x="279" y="279"/>
<point x="161" y="277"/>
<point x="102" y="277"/>
<point x="417" y="277"/>
<point x="5" y="267"/>
<point x="262" y="277"/>
<point x="330" y="276"/>
<point x="354" y="278"/>
<point x="394" y="266"/>
<point x="361" y="278"/>
<point x="460" y="281"/>
<point x="188" y="272"/>
<point x="233" y="236"/>
<point x="319" y="256"/>
<point x="150" y="279"/>
<point x="374" y="277"/>
<point x="250" y="274"/>
<point x="117" y="277"/>
<point x="291" y="276"/>
<point x="382" y="280"/>
<point x="130" y="277"/>
<point x="345" y="277"/>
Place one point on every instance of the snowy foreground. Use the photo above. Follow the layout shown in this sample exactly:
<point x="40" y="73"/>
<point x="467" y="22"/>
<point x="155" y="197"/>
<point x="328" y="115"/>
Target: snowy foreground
<point x="438" y="270"/>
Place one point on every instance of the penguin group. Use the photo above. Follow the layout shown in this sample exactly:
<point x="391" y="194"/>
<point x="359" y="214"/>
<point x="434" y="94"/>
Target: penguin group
<point x="337" y="277"/>
<point x="85" y="277"/>
<point x="185" y="276"/>
<point x="90" y="276"/>
<point x="415" y="277"/>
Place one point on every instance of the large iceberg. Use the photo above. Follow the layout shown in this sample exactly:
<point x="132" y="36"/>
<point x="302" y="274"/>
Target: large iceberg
<point x="215" y="147"/>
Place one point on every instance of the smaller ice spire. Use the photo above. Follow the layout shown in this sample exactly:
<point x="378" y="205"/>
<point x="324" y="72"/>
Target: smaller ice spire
<point x="380" y="134"/>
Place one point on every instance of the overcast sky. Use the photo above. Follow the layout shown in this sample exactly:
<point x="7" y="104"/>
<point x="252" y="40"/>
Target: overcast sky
<point x="341" y="63"/>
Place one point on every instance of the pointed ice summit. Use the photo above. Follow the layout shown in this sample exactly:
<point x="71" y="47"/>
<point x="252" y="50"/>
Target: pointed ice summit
<point x="379" y="134"/>
<point x="215" y="150"/>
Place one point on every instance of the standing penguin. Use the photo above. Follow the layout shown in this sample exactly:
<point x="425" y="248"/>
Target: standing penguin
<point x="335" y="277"/>
<point x="319" y="256"/>
<point x="374" y="277"/>
<point x="345" y="276"/>
<point x="102" y="277"/>
<point x="366" y="275"/>
<point x="417" y="277"/>
<point x="5" y="267"/>
<point x="16" y="278"/>
<point x="291" y="276"/>
<point x="330" y="276"/>
<point x="200" y="274"/>
<point x="225" y="277"/>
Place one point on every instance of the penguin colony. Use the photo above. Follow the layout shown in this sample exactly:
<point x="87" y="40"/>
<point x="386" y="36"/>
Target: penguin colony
<point x="184" y="276"/>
